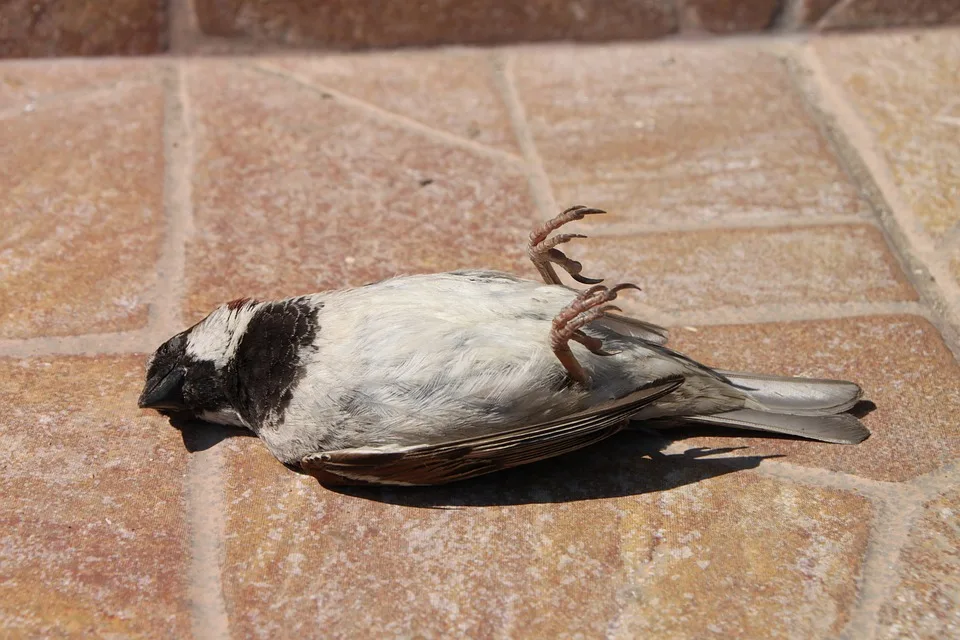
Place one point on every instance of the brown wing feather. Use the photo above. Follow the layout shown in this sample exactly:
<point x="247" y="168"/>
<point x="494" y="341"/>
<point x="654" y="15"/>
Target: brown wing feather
<point x="429" y="464"/>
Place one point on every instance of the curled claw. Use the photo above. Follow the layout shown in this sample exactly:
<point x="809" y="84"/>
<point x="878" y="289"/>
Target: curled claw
<point x="581" y="211"/>
<point x="621" y="287"/>
<point x="571" y="266"/>
<point x="543" y="253"/>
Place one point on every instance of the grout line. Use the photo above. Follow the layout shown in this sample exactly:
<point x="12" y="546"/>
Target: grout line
<point x="206" y="510"/>
<point x="894" y="516"/>
<point x="390" y="117"/>
<point x="615" y="229"/>
<point x="896" y="506"/>
<point x="77" y="97"/>
<point x="936" y="482"/>
<point x="856" y="147"/>
<point x="950" y="239"/>
<point x="125" y="342"/>
<point x="165" y="312"/>
<point x="826" y="478"/>
<point x="182" y="26"/>
<point x="540" y="187"/>
<point x="760" y="314"/>
<point x="837" y="7"/>
<point x="204" y="478"/>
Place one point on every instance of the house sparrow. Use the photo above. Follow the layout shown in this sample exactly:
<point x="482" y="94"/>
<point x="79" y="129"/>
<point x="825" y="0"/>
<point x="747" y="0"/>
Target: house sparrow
<point x="427" y="379"/>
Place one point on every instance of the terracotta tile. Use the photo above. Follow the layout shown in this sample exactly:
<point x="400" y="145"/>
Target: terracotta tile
<point x="696" y="271"/>
<point x="82" y="191"/>
<point x="925" y="603"/>
<point x="667" y="135"/>
<point x="286" y="204"/>
<point x="372" y="24"/>
<point x="92" y="540"/>
<point x="905" y="88"/>
<point x="453" y="91"/>
<point x="24" y="82"/>
<point x="728" y="16"/>
<point x="35" y="28"/>
<point x="741" y="557"/>
<point x="860" y="14"/>
<point x="901" y="362"/>
<point x="574" y="547"/>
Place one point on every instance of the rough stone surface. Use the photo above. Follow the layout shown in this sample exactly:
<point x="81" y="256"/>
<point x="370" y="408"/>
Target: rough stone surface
<point x="82" y="185"/>
<point x="926" y="603"/>
<point x="287" y="205"/>
<point x="92" y="536"/>
<point x="37" y="28"/>
<point x="409" y="85"/>
<point x="26" y="83"/>
<point x="901" y="363"/>
<point x="729" y="16"/>
<point x="340" y="24"/>
<point x="865" y="14"/>
<point x="695" y="271"/>
<point x="906" y="88"/>
<point x="671" y="135"/>
<point x="590" y="545"/>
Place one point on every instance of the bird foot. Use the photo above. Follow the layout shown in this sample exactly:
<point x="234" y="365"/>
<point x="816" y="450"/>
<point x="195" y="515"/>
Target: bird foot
<point x="590" y="305"/>
<point x="544" y="254"/>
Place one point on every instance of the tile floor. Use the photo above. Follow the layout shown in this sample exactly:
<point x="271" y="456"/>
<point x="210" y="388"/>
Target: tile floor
<point x="787" y="206"/>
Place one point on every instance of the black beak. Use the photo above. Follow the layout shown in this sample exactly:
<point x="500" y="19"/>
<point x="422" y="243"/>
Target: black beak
<point x="164" y="392"/>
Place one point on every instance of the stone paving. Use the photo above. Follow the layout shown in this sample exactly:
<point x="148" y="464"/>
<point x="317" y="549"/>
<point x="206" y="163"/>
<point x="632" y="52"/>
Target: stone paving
<point x="788" y="205"/>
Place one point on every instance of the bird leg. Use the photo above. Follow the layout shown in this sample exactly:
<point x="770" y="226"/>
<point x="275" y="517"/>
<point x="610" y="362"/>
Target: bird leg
<point x="542" y="250"/>
<point x="584" y="309"/>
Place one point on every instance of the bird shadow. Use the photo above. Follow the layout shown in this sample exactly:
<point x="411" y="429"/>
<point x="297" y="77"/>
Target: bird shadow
<point x="627" y="464"/>
<point x="633" y="462"/>
<point x="199" y="435"/>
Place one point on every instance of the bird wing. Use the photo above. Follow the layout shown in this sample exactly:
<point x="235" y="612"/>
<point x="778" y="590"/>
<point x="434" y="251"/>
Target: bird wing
<point x="430" y="464"/>
<point x="628" y="326"/>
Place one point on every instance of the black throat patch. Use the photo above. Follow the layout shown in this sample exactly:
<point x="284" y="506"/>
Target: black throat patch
<point x="267" y="365"/>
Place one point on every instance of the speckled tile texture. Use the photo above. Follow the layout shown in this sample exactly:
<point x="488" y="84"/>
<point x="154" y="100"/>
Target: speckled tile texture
<point x="674" y="134"/>
<point x="82" y="184"/>
<point x="785" y="206"/>
<point x="94" y="539"/>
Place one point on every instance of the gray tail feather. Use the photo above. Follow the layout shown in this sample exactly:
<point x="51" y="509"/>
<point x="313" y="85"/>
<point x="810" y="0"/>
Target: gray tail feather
<point x="797" y="396"/>
<point x="839" y="429"/>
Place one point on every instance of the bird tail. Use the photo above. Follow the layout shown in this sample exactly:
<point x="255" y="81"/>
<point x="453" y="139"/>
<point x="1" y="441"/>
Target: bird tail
<point x="806" y="407"/>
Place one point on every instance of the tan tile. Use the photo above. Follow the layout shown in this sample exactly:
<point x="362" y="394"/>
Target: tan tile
<point x="92" y="539"/>
<point x="575" y="547"/>
<point x="697" y="271"/>
<point x="905" y="88"/>
<point x="859" y="14"/>
<point x="454" y="91"/>
<point x="24" y="82"/>
<point x="901" y="362"/>
<point x="82" y="187"/>
<point x="661" y="135"/>
<point x="728" y="16"/>
<point x="925" y="603"/>
<point x="391" y="570"/>
<point x="373" y="24"/>
<point x="741" y="557"/>
<point x="286" y="204"/>
<point x="35" y="28"/>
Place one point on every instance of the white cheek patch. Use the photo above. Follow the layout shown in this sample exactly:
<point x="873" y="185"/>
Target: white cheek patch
<point x="217" y="337"/>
